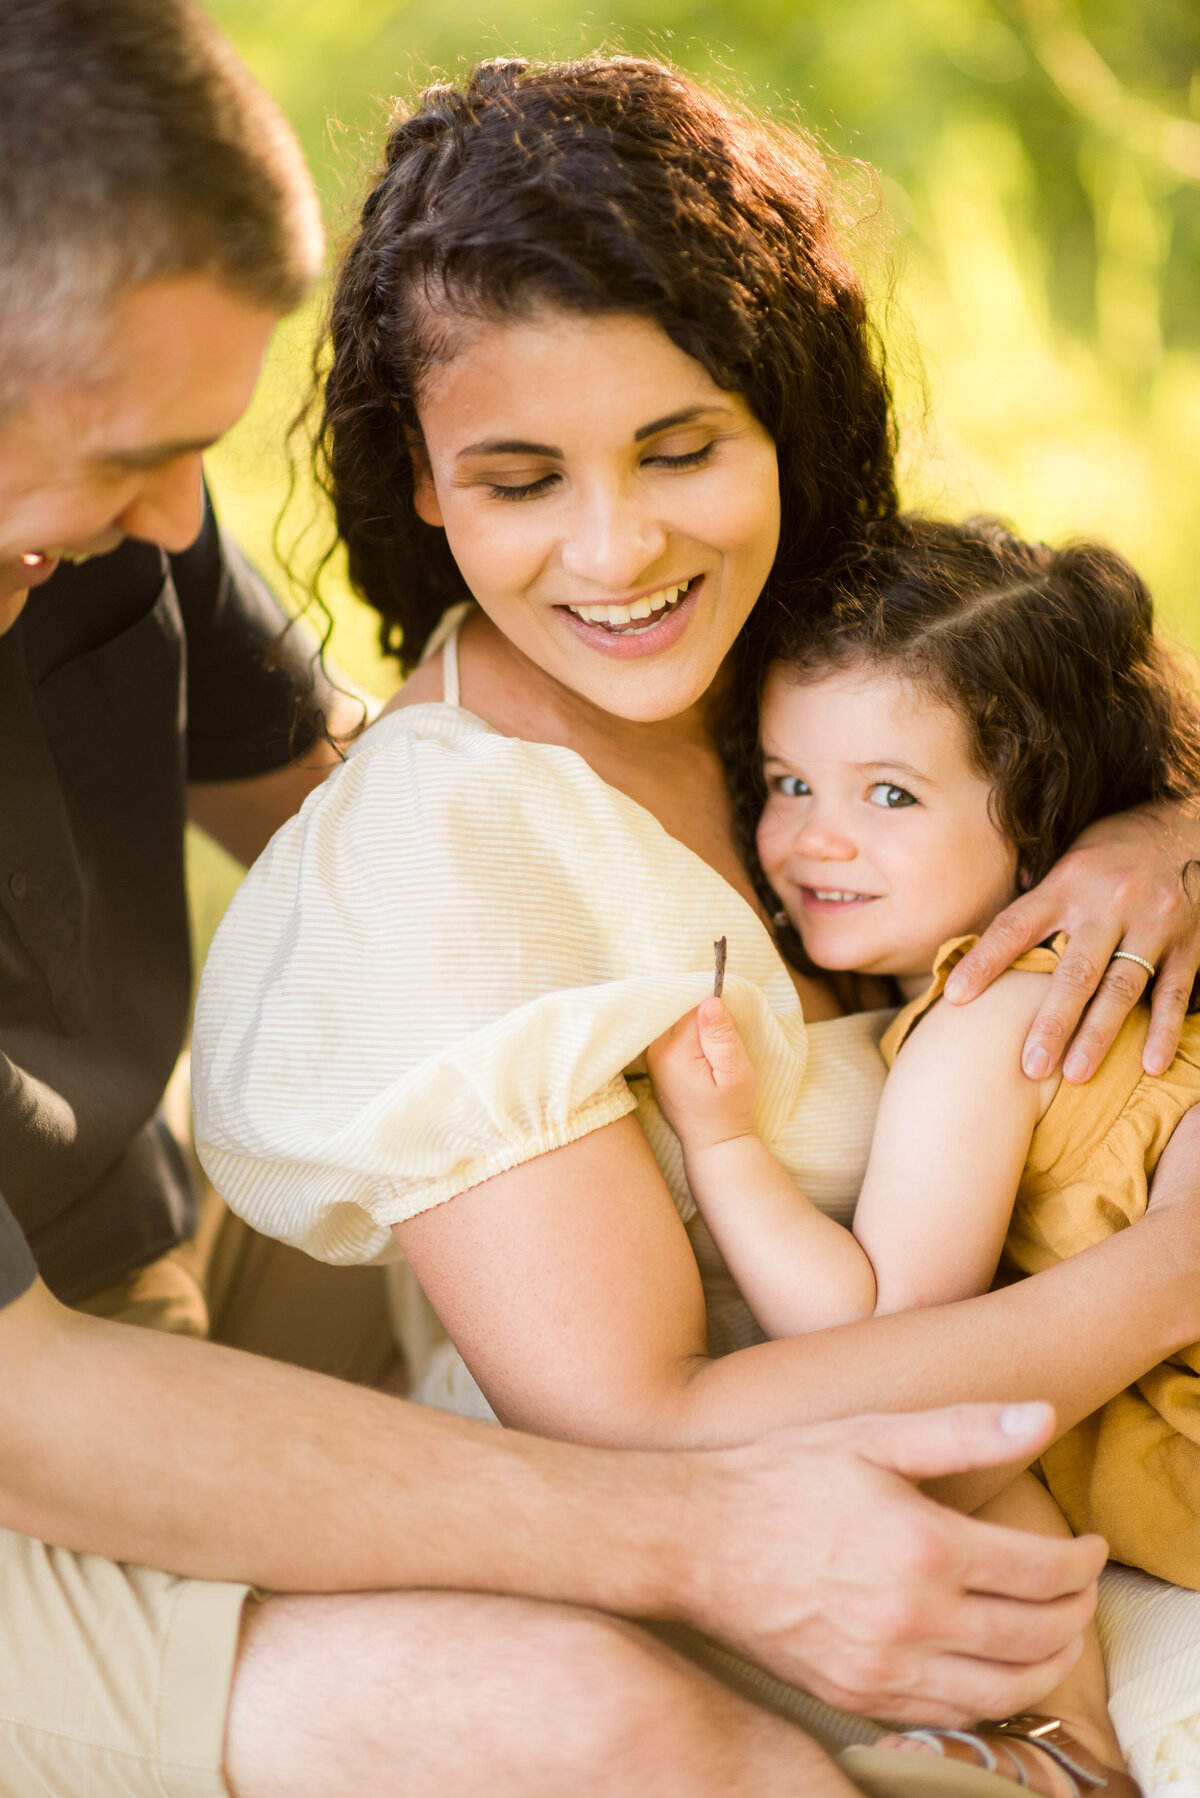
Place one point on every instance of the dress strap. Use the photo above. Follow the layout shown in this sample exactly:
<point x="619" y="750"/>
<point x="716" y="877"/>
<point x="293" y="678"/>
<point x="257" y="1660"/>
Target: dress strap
<point x="450" y="683"/>
<point x="445" y="639"/>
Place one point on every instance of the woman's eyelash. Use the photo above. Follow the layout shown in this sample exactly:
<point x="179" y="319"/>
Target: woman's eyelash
<point x="691" y="460"/>
<point x="531" y="489"/>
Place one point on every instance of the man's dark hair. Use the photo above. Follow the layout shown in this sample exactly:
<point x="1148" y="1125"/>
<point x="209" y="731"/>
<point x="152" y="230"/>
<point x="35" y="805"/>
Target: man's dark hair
<point x="607" y="185"/>
<point x="134" y="145"/>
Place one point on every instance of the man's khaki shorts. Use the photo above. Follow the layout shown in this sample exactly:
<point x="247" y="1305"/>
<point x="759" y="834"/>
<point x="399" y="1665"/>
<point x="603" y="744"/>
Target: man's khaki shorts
<point x="115" y="1681"/>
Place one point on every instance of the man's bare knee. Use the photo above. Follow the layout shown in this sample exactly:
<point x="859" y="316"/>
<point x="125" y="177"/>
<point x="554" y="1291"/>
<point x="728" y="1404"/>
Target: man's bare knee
<point x="424" y="1693"/>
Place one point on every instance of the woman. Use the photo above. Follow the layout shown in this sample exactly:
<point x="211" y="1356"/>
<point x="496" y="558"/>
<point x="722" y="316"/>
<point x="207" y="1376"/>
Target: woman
<point x="600" y="367"/>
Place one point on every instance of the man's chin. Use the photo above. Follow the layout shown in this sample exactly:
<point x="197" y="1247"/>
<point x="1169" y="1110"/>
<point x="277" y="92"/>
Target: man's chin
<point x="11" y="607"/>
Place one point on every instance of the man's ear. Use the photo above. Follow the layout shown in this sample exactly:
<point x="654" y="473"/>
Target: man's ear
<point x="425" y="499"/>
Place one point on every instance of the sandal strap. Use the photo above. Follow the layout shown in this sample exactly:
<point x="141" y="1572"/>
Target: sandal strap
<point x="1051" y="1735"/>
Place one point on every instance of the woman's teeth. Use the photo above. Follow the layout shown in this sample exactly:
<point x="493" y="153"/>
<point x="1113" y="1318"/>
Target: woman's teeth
<point x="838" y="898"/>
<point x="621" y="617"/>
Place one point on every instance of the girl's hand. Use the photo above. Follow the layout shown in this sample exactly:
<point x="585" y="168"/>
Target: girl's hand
<point x="703" y="1079"/>
<point x="1131" y="882"/>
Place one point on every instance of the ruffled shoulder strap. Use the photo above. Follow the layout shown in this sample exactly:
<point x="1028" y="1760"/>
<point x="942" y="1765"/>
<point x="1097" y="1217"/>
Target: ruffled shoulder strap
<point x="1043" y="959"/>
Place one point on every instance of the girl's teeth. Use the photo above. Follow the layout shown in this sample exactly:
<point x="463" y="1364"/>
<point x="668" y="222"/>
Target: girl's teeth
<point x="840" y="897"/>
<point x="619" y="616"/>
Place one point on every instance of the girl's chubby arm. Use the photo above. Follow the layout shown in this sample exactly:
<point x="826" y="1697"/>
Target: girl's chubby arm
<point x="950" y="1143"/>
<point x="796" y="1268"/>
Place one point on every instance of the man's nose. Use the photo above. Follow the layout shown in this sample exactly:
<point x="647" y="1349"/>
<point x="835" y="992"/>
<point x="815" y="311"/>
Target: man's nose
<point x="168" y="508"/>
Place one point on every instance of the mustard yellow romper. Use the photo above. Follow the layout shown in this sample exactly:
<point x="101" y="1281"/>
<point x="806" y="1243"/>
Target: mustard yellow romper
<point x="1132" y="1469"/>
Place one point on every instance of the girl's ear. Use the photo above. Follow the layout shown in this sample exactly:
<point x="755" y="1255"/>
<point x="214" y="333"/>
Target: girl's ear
<point x="425" y="499"/>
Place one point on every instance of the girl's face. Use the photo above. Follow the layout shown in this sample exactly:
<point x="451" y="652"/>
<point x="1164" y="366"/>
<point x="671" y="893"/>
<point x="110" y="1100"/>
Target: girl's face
<point x="876" y="833"/>
<point x="612" y="510"/>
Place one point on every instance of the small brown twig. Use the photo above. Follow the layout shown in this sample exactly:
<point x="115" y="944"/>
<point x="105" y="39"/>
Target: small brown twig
<point x="719" y="965"/>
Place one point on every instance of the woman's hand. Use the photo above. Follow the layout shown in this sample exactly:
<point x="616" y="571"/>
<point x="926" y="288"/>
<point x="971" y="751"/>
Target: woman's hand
<point x="703" y="1078"/>
<point x="867" y="1593"/>
<point x="1130" y="882"/>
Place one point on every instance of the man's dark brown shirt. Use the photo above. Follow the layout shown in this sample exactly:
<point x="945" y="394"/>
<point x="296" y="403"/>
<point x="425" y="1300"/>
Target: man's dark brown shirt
<point x="123" y="679"/>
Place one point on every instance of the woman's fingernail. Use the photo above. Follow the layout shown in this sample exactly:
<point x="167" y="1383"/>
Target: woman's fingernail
<point x="1022" y="1420"/>
<point x="1077" y="1067"/>
<point x="956" y="986"/>
<point x="1037" y="1063"/>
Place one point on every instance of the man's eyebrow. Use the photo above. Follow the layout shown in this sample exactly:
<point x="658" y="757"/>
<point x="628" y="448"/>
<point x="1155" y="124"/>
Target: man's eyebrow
<point x="517" y="446"/>
<point x="156" y="454"/>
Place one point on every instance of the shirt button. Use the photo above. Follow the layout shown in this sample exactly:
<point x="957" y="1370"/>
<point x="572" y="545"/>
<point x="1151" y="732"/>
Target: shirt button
<point x="18" y="886"/>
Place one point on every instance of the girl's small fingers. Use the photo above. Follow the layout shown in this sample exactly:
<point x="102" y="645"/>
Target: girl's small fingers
<point x="1017" y="928"/>
<point x="1081" y="971"/>
<point x="1168" y="1007"/>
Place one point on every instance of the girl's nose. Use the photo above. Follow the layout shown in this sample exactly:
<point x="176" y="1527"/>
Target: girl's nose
<point x="611" y="542"/>
<point x="821" y="838"/>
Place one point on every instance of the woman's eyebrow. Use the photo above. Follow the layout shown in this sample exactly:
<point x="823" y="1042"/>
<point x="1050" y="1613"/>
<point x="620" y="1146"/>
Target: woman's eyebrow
<point x="508" y="446"/>
<point x="683" y="417"/>
<point x="517" y="446"/>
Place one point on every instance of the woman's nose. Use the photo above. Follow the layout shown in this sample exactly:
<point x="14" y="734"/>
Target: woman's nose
<point x="611" y="542"/>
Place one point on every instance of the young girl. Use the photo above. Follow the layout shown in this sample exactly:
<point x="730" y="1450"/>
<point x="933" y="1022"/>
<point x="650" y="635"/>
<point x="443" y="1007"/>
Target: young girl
<point x="934" y="736"/>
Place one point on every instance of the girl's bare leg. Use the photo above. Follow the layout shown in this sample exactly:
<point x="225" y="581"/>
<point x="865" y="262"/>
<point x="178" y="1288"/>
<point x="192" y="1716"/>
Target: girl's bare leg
<point x="1081" y="1700"/>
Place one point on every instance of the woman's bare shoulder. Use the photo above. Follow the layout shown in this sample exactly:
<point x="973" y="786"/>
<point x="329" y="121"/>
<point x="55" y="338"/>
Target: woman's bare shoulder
<point x="424" y="686"/>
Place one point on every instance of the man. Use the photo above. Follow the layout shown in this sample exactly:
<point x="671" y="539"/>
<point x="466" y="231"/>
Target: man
<point x="157" y="219"/>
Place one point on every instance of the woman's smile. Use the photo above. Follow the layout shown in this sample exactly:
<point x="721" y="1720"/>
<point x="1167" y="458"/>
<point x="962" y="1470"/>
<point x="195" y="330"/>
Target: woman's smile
<point x="614" y="512"/>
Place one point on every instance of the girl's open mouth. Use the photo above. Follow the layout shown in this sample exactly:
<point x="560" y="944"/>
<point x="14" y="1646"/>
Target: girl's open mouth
<point x="833" y="899"/>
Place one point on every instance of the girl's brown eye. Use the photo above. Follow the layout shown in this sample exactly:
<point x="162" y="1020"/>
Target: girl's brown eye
<point x="792" y="787"/>
<point x="889" y="797"/>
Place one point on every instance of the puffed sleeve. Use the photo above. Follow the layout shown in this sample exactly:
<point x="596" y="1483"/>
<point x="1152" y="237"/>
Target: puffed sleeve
<point x="441" y="969"/>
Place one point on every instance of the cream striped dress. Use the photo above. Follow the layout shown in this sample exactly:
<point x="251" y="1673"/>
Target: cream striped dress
<point x="452" y="961"/>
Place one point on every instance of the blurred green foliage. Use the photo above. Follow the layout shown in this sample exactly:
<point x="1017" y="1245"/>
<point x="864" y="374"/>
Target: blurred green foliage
<point x="1036" y="257"/>
<point x="1039" y="166"/>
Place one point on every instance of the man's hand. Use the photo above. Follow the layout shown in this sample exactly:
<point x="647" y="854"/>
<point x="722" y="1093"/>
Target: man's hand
<point x="1130" y="882"/>
<point x="703" y="1079"/>
<point x="823" y="1562"/>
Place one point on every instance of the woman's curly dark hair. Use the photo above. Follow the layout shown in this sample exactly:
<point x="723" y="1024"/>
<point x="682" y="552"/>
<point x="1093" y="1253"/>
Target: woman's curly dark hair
<point x="606" y="185"/>
<point x="1073" y="707"/>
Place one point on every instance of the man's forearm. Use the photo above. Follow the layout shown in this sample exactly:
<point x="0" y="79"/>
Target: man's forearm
<point x="222" y="1465"/>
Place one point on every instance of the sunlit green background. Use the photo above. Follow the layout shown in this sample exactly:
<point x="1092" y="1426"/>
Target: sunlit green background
<point x="1040" y="167"/>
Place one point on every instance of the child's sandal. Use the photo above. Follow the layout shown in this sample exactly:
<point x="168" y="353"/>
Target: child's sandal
<point x="996" y="1749"/>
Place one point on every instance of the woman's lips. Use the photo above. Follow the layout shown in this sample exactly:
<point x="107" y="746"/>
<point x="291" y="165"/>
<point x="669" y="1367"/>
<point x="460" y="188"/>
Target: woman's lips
<point x="640" y="636"/>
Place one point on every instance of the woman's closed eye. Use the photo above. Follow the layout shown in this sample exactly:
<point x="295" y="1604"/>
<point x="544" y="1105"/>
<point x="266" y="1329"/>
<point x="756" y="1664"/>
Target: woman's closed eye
<point x="892" y="798"/>
<point x="518" y="490"/>
<point x="689" y="459"/>
<point x="526" y="490"/>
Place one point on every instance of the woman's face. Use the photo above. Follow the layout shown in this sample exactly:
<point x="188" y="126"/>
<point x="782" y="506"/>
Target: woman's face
<point x="613" y="511"/>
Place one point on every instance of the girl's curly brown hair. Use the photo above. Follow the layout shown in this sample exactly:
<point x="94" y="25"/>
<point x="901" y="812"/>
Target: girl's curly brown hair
<point x="606" y="185"/>
<point x="1073" y="707"/>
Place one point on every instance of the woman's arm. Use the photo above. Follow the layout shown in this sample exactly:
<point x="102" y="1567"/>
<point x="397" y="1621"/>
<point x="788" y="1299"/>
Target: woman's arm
<point x="571" y="1290"/>
<point x="951" y="1140"/>
<point x="796" y="1268"/>
<point x="1132" y="882"/>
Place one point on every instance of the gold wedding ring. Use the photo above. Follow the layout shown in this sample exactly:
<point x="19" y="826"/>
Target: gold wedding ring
<point x="1128" y="955"/>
